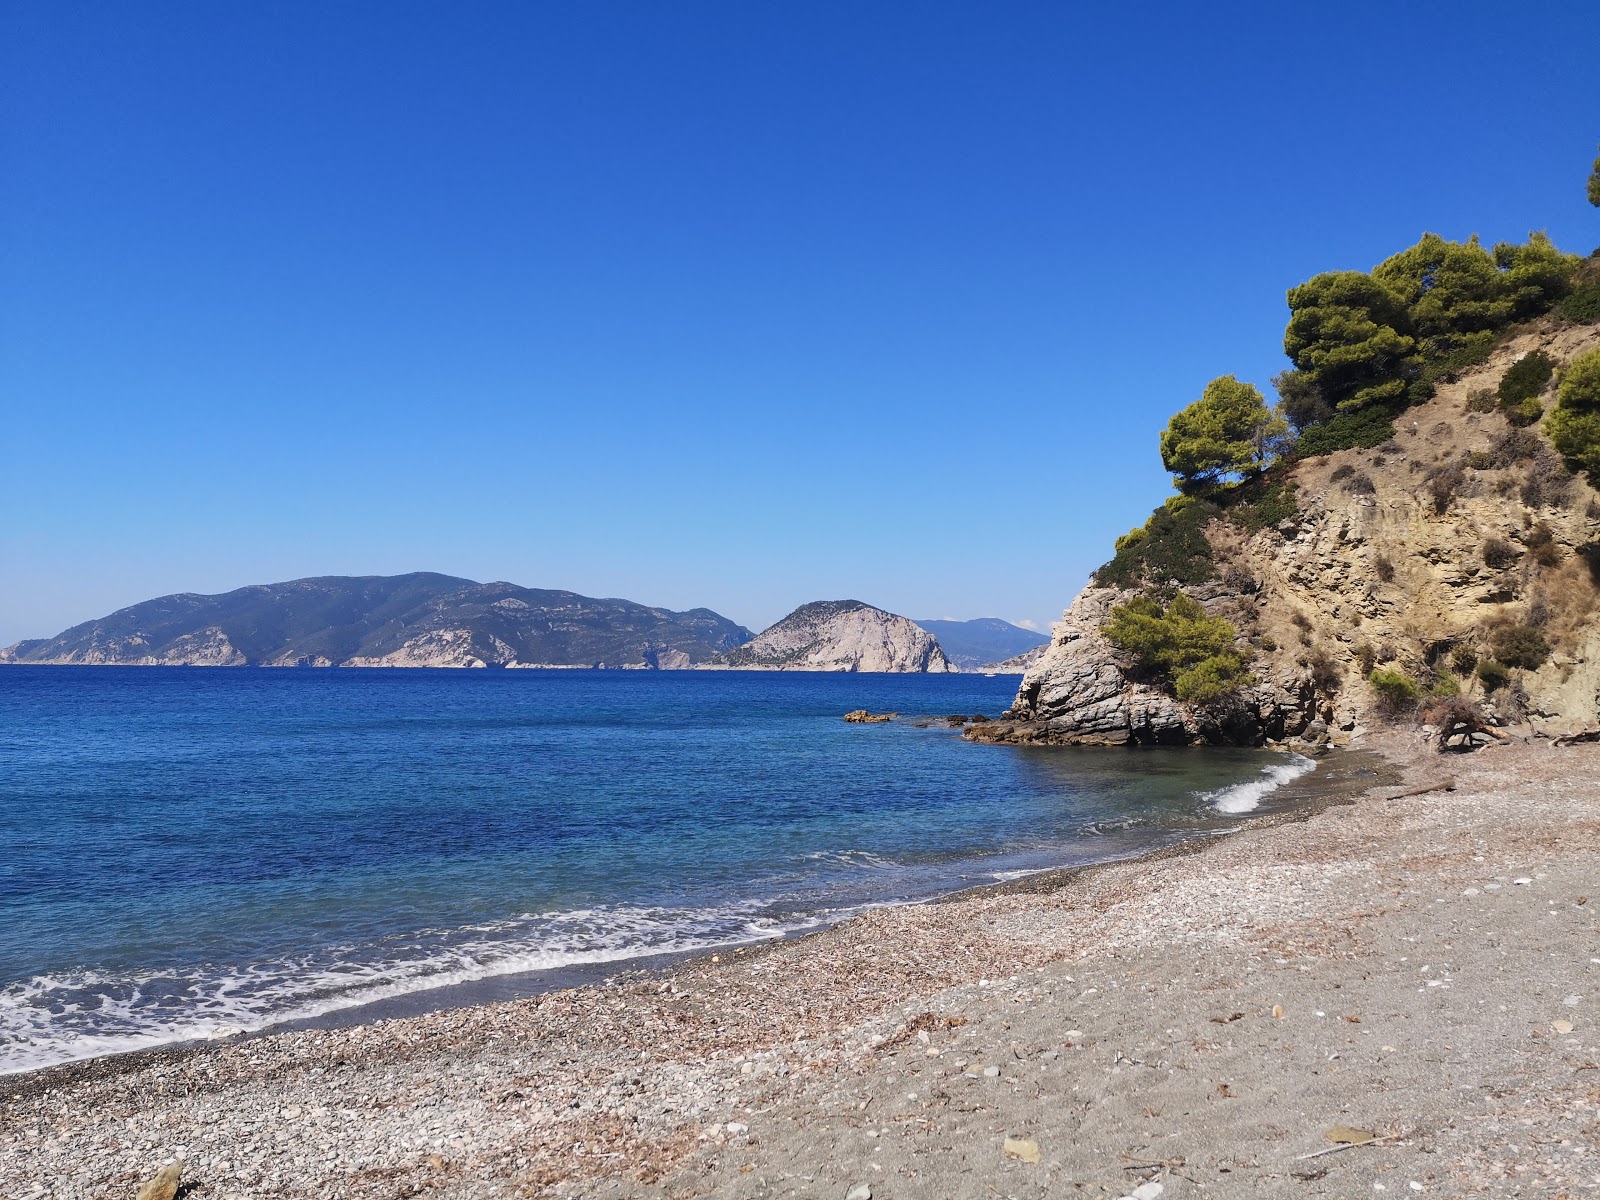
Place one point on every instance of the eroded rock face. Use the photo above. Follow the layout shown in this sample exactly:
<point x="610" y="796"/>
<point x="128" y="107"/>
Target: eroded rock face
<point x="1387" y="562"/>
<point x="840" y="635"/>
<point x="1079" y="693"/>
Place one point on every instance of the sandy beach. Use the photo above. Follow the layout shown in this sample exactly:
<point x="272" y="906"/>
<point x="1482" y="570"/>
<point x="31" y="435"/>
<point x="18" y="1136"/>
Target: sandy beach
<point x="1419" y="969"/>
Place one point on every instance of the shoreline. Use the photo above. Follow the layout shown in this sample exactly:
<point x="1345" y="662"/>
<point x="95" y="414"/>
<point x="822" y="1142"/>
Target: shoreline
<point x="1355" y="771"/>
<point x="1200" y="1019"/>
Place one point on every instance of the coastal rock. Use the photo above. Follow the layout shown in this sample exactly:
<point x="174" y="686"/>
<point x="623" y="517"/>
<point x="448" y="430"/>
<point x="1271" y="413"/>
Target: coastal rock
<point x="164" y="1185"/>
<point x="839" y="635"/>
<point x="861" y="716"/>
<point x="1394" y="572"/>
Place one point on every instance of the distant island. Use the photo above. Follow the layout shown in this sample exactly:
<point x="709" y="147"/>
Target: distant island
<point x="425" y="619"/>
<point x="841" y="635"/>
<point x="987" y="643"/>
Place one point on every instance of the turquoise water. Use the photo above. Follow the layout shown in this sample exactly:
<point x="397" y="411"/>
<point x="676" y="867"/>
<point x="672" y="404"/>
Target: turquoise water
<point x="186" y="852"/>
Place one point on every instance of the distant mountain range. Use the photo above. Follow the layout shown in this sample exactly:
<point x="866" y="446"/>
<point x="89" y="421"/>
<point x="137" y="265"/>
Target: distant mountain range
<point x="430" y="620"/>
<point x="985" y="642"/>
<point x="417" y="620"/>
<point x="840" y="635"/>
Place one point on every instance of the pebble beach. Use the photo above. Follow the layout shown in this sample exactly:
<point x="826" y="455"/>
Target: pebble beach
<point x="1395" y="992"/>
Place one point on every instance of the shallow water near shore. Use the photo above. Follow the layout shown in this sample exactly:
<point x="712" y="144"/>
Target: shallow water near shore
<point x="192" y="852"/>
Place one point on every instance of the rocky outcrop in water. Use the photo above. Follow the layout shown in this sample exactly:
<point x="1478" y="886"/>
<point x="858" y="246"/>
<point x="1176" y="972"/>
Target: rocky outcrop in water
<point x="418" y="620"/>
<point x="1460" y="540"/>
<point x="839" y="635"/>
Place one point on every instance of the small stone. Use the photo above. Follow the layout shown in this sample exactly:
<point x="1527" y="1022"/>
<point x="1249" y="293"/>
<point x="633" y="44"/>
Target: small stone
<point x="1561" y="1026"/>
<point x="991" y="1072"/>
<point x="165" y="1184"/>
<point x="1522" y="881"/>
<point x="738" y="1127"/>
<point x="861" y="1191"/>
<point x="1573" y="1001"/>
<point x="1025" y="1149"/>
<point x="1471" y="892"/>
<point x="1147" y="1191"/>
<point x="747" y="1068"/>
<point x="1277" y="1012"/>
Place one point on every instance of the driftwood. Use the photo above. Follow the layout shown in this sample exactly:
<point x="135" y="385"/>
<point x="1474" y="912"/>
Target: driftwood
<point x="1444" y="785"/>
<point x="1460" y="720"/>
<point x="1572" y="739"/>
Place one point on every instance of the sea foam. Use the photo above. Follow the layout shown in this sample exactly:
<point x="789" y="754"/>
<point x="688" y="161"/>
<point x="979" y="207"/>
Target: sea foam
<point x="1246" y="797"/>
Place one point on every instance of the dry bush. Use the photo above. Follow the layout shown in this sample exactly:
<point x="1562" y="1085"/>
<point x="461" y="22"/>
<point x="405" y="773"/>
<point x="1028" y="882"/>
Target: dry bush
<point x="1498" y="554"/>
<point x="1444" y="484"/>
<point x="1358" y="483"/>
<point x="1480" y="400"/>
<point x="1549" y="483"/>
<point x="1541" y="543"/>
<point x="1326" y="674"/>
<point x="1539" y="612"/>
<point x="1516" y="445"/>
<point x="1383" y="567"/>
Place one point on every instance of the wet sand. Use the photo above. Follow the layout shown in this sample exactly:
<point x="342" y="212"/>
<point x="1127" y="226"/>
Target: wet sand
<point x="1199" y="1020"/>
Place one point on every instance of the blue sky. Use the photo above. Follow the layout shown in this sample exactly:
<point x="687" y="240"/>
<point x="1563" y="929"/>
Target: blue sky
<point x="725" y="304"/>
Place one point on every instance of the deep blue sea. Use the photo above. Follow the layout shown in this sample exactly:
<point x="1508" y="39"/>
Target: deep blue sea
<point x="188" y="852"/>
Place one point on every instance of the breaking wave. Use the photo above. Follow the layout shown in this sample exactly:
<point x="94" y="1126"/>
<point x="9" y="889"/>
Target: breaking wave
<point x="1246" y="797"/>
<point x="66" y="1016"/>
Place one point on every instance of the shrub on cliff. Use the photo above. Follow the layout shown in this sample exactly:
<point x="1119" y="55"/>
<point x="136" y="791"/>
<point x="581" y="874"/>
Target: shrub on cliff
<point x="1180" y="647"/>
<point x="1574" y="426"/>
<point x="1396" y="692"/>
<point x="1493" y="675"/>
<point x="1358" y="430"/>
<point x="1170" y="548"/>
<point x="1521" y="386"/>
<point x="1520" y="646"/>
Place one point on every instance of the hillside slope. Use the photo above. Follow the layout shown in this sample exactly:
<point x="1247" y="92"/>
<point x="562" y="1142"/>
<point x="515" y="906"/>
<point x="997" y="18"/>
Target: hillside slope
<point x="1427" y="556"/>
<point x="840" y="635"/>
<point x="416" y="620"/>
<point x="971" y="645"/>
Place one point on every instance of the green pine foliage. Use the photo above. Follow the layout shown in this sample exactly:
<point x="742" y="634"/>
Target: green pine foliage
<point x="1171" y="548"/>
<point x="1362" y="429"/>
<point x="1574" y="426"/>
<point x="1365" y="347"/>
<point x="1228" y="432"/>
<point x="1396" y="692"/>
<point x="1521" y="386"/>
<point x="1351" y="339"/>
<point x="1180" y="647"/>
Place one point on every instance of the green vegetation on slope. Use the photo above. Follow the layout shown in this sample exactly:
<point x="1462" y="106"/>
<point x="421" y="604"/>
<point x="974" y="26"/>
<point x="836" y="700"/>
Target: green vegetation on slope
<point x="1574" y="427"/>
<point x="1180" y="646"/>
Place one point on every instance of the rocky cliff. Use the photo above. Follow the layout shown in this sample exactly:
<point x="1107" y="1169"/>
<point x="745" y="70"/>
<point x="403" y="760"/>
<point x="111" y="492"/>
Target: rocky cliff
<point x="1427" y="556"/>
<point x="839" y="635"/>
<point x="417" y="620"/>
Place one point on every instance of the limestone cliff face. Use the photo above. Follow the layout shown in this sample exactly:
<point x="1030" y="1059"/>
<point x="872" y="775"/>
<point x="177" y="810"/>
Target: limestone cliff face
<point x="1410" y="556"/>
<point x="839" y="635"/>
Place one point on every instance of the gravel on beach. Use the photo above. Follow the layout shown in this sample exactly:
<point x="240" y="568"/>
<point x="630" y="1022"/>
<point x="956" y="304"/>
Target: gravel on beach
<point x="1399" y="996"/>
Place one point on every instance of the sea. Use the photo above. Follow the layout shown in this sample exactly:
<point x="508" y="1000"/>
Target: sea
<point x="191" y="853"/>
